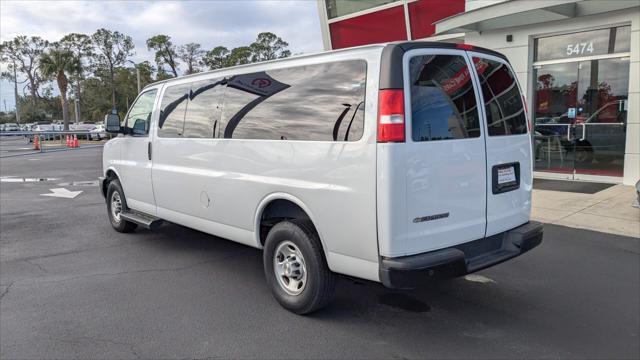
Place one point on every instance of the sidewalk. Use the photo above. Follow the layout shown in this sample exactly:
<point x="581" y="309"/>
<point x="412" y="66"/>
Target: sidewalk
<point x="607" y="211"/>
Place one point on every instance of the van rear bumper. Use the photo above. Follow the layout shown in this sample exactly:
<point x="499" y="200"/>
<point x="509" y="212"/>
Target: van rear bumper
<point x="408" y="272"/>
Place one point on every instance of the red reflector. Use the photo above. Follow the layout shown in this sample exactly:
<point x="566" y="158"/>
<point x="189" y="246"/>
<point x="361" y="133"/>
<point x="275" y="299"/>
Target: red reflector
<point x="391" y="115"/>
<point x="465" y="46"/>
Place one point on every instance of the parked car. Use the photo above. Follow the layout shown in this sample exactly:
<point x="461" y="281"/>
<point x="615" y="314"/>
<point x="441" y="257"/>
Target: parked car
<point x="98" y="132"/>
<point x="372" y="162"/>
<point x="11" y="127"/>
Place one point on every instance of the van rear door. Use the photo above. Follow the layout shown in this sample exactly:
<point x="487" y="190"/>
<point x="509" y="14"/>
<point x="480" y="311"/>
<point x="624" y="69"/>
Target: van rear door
<point x="508" y="142"/>
<point x="444" y="159"/>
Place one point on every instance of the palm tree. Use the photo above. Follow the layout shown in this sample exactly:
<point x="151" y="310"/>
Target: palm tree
<point x="57" y="63"/>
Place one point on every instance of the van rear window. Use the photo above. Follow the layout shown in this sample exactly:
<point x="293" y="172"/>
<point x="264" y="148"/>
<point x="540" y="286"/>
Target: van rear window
<point x="502" y="98"/>
<point x="443" y="101"/>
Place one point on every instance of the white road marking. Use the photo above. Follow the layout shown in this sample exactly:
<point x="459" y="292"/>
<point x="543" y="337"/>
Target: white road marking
<point x="12" y="179"/>
<point x="62" y="193"/>
<point x="478" y="278"/>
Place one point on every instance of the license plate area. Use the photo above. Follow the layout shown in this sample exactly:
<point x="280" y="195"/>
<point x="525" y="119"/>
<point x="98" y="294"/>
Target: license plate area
<point x="505" y="177"/>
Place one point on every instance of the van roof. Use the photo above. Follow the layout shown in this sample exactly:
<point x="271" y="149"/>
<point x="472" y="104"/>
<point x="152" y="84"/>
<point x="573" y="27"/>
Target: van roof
<point x="395" y="48"/>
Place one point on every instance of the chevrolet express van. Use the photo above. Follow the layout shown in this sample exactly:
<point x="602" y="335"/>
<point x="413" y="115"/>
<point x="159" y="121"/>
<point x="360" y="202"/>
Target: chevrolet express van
<point x="397" y="163"/>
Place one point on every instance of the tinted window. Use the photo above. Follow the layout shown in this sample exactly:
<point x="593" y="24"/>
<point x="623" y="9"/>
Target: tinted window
<point x="139" y="117"/>
<point x="443" y="102"/>
<point x="314" y="102"/>
<point x="174" y="106"/>
<point x="203" y="111"/>
<point x="502" y="99"/>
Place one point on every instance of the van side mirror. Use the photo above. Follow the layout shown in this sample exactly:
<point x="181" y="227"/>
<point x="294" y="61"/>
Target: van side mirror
<point x="112" y="123"/>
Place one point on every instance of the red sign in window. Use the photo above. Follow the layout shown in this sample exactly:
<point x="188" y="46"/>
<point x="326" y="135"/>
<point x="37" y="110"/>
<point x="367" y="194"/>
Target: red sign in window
<point x="381" y="26"/>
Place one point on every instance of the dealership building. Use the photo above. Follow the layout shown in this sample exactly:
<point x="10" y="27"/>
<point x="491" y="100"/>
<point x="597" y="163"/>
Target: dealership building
<point x="578" y="62"/>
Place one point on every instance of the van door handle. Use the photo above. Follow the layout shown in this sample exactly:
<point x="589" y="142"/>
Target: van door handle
<point x="149" y="150"/>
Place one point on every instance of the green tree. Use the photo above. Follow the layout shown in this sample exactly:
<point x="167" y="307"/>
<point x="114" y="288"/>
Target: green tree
<point x="191" y="54"/>
<point x="239" y="56"/>
<point x="216" y="58"/>
<point x="112" y="49"/>
<point x="58" y="63"/>
<point x="82" y="48"/>
<point x="24" y="52"/>
<point x="165" y="52"/>
<point x="268" y="46"/>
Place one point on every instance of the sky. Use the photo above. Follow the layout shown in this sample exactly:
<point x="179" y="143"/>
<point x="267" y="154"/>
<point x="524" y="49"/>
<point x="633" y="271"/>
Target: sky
<point x="209" y="23"/>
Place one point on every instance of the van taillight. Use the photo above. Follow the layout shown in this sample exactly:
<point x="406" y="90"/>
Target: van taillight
<point x="391" y="115"/>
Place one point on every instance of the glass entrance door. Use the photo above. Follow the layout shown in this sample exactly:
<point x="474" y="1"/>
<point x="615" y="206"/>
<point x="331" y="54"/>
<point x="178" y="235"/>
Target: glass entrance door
<point x="581" y="116"/>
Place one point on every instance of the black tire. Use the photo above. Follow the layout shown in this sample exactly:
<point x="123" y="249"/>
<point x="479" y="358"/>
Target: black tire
<point x="115" y="189"/>
<point x="320" y="281"/>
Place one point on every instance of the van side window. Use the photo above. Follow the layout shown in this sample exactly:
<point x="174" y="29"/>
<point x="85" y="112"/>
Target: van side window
<point x="138" y="120"/>
<point x="173" y="108"/>
<point x="443" y="101"/>
<point x="203" y="111"/>
<point x="313" y="102"/>
<point x="502" y="99"/>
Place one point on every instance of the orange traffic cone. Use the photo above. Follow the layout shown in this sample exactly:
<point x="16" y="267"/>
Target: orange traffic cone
<point x="75" y="141"/>
<point x="36" y="142"/>
<point x="68" y="141"/>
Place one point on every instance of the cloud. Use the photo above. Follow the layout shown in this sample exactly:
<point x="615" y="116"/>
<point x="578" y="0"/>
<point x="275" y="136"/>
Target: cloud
<point x="210" y="23"/>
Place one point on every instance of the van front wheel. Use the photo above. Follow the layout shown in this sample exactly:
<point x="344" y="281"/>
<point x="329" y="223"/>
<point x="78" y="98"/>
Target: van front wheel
<point x="116" y="204"/>
<point x="295" y="267"/>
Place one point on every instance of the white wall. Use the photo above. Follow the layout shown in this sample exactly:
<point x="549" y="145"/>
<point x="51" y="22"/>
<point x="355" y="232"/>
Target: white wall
<point x="520" y="54"/>
<point x="474" y="4"/>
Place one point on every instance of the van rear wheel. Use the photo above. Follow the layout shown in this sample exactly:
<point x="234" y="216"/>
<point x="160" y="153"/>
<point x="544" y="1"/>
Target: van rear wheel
<point x="116" y="204"/>
<point x="295" y="267"/>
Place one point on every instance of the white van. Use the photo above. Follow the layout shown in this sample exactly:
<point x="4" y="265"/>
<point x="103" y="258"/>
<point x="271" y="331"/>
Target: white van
<point x="373" y="162"/>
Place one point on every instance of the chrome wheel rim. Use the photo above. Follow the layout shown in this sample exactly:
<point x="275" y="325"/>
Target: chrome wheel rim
<point x="116" y="206"/>
<point x="290" y="268"/>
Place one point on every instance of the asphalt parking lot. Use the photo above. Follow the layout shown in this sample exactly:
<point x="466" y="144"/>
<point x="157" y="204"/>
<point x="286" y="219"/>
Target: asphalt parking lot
<point x="71" y="287"/>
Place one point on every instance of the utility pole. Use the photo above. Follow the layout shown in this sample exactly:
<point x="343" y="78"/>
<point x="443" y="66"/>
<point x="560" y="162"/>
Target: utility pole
<point x="137" y="74"/>
<point x="77" y="110"/>
<point x="15" y="89"/>
<point x="138" y="77"/>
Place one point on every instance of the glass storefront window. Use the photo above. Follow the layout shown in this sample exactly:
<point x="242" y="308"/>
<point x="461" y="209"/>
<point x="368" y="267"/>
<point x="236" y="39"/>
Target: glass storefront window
<point x="337" y="8"/>
<point x="580" y="107"/>
<point x="581" y="116"/>
<point x="586" y="43"/>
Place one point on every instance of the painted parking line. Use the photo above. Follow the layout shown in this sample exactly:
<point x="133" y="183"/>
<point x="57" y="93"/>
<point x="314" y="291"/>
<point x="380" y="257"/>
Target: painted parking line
<point x="479" y="279"/>
<point x="80" y="183"/>
<point x="13" y="179"/>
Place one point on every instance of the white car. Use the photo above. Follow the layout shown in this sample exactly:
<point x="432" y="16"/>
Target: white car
<point x="11" y="127"/>
<point x="374" y="162"/>
<point x="98" y="132"/>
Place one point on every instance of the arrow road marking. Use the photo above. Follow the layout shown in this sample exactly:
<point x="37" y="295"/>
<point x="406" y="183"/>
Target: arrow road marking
<point x="62" y="193"/>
